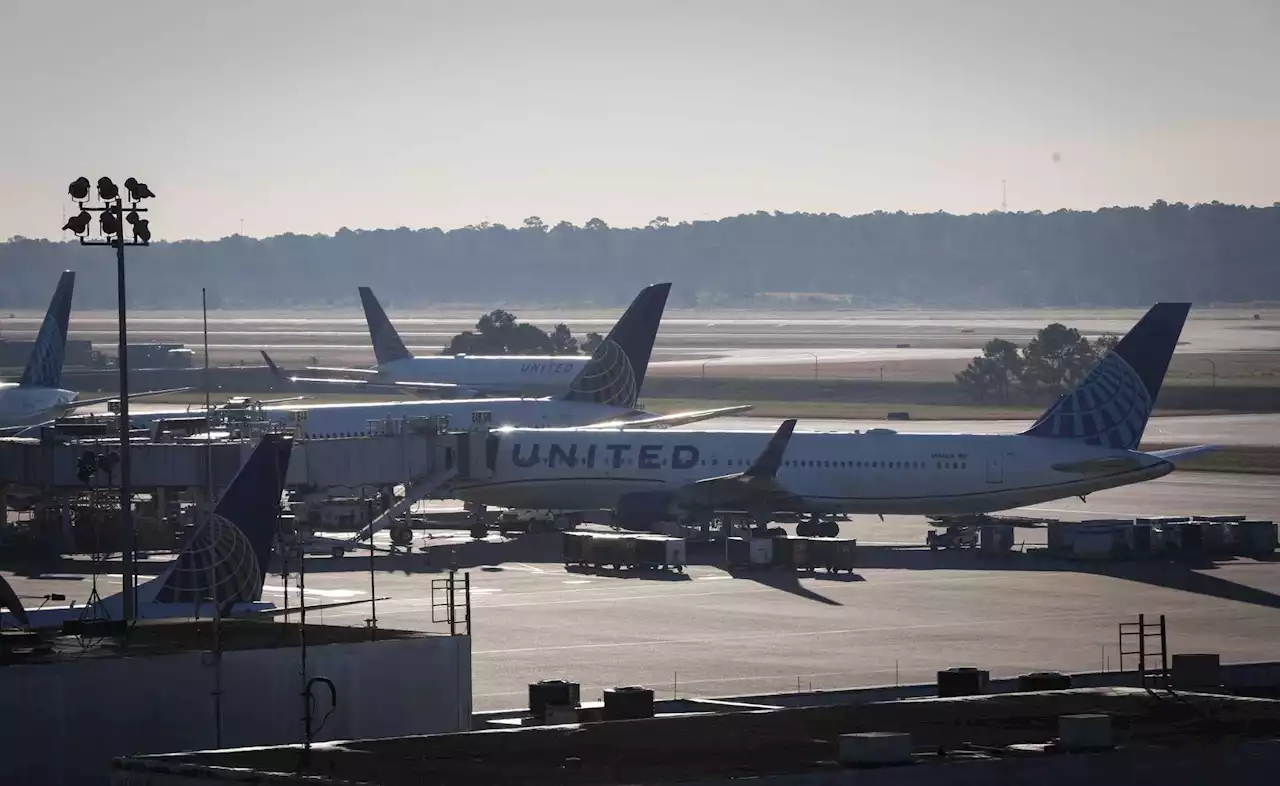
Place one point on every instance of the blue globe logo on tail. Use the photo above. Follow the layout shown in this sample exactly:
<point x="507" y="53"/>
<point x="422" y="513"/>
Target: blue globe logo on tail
<point x="617" y="368"/>
<point x="1110" y="407"/>
<point x="218" y="564"/>
<point x="608" y="378"/>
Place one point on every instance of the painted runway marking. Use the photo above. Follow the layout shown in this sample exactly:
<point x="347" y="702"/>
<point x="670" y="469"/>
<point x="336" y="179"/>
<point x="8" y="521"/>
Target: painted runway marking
<point x="713" y="578"/>
<point x="578" y="581"/>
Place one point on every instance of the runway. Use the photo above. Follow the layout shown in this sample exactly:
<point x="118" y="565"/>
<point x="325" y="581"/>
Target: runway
<point x="905" y="614"/>
<point x="1182" y="430"/>
<point x="339" y="334"/>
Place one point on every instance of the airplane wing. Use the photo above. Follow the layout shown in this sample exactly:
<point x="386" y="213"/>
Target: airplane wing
<point x="755" y="487"/>
<point x="363" y="383"/>
<point x="666" y="421"/>
<point x="1176" y="455"/>
<point x="298" y="609"/>
<point x="369" y="371"/>
<point x="89" y="402"/>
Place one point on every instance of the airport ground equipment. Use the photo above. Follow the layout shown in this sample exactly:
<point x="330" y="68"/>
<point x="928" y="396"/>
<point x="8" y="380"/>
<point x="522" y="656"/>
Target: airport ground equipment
<point x="809" y="554"/>
<point x="964" y="536"/>
<point x="1191" y="536"/>
<point x="750" y="552"/>
<point x="624" y="551"/>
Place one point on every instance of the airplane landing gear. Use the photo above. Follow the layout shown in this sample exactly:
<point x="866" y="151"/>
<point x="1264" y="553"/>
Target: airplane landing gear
<point x="815" y="527"/>
<point x="953" y="537"/>
<point x="479" y="527"/>
<point x="401" y="535"/>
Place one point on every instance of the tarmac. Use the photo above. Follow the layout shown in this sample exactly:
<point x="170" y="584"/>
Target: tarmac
<point x="905" y="613"/>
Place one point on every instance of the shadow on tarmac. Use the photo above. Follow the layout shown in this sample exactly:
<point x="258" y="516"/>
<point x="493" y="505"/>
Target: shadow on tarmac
<point x="1185" y="575"/>
<point x="644" y="575"/>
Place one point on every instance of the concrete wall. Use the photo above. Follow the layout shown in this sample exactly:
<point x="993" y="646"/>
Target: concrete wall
<point x="64" y="722"/>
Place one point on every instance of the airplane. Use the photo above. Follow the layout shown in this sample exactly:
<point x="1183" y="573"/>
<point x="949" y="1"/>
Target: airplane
<point x="1085" y="442"/>
<point x="224" y="561"/>
<point x="605" y="392"/>
<point x="456" y="375"/>
<point x="38" y="397"/>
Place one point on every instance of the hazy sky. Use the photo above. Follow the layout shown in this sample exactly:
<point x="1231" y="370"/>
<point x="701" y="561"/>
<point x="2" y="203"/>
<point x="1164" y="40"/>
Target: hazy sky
<point x="309" y="116"/>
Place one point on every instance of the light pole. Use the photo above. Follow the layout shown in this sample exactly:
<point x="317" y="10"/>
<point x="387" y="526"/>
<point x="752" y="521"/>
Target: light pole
<point x="110" y="218"/>
<point x="1214" y="368"/>
<point x="815" y="363"/>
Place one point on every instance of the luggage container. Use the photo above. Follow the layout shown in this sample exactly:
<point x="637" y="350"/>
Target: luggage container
<point x="1059" y="536"/>
<point x="658" y="552"/>
<point x="1258" y="538"/>
<point x="607" y="550"/>
<point x="575" y="547"/>
<point x="809" y="554"/>
<point x="1139" y="538"/>
<point x="1095" y="541"/>
<point x="1191" y="537"/>
<point x="834" y="554"/>
<point x="1213" y="537"/>
<point x="996" y="537"/>
<point x="751" y="552"/>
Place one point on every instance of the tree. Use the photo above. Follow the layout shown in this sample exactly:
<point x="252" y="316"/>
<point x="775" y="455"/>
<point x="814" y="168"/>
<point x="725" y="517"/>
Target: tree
<point x="535" y="223"/>
<point x="659" y="222"/>
<point x="1105" y="343"/>
<point x="1056" y="359"/>
<point x="1108" y="258"/>
<point x="994" y="373"/>
<point x="562" y="341"/>
<point x="593" y="342"/>
<point x="499" y="333"/>
<point x="597" y="224"/>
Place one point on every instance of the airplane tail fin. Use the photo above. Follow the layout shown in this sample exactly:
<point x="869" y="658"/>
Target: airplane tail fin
<point x="387" y="345"/>
<point x="1112" y="405"/>
<point x="615" y="373"/>
<point x="44" y="367"/>
<point x="226" y="558"/>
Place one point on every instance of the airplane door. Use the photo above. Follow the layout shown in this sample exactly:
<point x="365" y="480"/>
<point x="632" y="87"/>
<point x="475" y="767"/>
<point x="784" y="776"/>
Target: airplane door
<point x="995" y="470"/>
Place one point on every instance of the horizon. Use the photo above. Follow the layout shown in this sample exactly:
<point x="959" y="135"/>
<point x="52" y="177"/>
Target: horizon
<point x="550" y="225"/>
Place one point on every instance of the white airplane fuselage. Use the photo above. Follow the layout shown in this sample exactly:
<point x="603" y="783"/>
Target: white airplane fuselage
<point x="514" y="374"/>
<point x="356" y="418"/>
<point x="887" y="472"/>
<point x="24" y="405"/>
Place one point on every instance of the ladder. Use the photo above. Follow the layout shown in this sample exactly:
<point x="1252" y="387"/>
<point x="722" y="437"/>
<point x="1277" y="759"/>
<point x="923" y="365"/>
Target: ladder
<point x="1148" y="641"/>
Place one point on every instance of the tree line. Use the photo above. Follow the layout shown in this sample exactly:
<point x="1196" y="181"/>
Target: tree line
<point x="1113" y="257"/>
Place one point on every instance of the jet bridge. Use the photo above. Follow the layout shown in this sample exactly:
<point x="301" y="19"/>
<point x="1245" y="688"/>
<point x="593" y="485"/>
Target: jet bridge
<point x="470" y="457"/>
<point x="423" y="459"/>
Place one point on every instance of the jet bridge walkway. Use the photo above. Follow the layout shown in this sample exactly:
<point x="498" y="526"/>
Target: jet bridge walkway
<point x="423" y="461"/>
